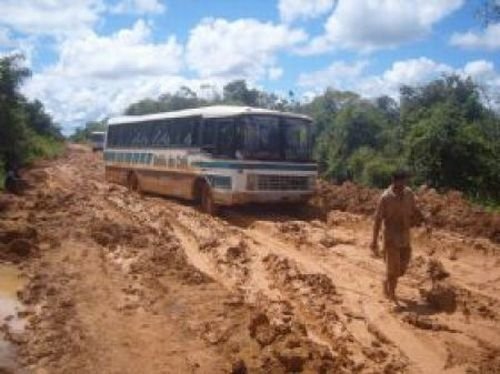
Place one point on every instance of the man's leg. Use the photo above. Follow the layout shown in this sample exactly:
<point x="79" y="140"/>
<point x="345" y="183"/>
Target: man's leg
<point x="393" y="263"/>
<point x="405" y="257"/>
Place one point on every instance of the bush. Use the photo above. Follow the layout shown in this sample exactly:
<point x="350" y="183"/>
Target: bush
<point x="378" y="172"/>
<point x="43" y="147"/>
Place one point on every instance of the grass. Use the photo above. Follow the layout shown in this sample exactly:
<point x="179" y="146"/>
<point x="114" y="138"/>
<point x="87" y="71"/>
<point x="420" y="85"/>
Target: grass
<point x="43" y="147"/>
<point x="37" y="147"/>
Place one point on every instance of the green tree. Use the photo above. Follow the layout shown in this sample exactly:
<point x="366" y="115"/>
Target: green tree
<point x="358" y="124"/>
<point x="13" y="126"/>
<point x="237" y="92"/>
<point x="450" y="137"/>
<point x="26" y="130"/>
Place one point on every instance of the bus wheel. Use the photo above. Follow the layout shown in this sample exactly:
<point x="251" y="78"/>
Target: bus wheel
<point x="133" y="182"/>
<point x="208" y="204"/>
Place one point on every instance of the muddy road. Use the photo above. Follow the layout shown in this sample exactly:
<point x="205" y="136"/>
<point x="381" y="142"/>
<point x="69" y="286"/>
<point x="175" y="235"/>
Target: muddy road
<point x="116" y="282"/>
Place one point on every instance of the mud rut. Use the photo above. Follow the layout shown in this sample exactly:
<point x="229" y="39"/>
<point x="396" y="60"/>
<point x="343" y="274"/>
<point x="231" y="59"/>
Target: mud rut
<point x="123" y="283"/>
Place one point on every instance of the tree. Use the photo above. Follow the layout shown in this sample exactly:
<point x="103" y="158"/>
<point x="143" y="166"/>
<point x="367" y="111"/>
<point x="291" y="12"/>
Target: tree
<point x="356" y="125"/>
<point x="450" y="141"/>
<point x="26" y="130"/>
<point x="13" y="126"/>
<point x="237" y="92"/>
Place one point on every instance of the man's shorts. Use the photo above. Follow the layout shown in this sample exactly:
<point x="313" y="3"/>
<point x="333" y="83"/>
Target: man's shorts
<point x="397" y="260"/>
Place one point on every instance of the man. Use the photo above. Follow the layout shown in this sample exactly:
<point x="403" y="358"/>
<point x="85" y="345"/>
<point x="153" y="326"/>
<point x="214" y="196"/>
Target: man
<point x="397" y="210"/>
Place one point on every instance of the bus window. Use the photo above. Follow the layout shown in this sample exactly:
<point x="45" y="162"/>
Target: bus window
<point x="208" y="135"/>
<point x="225" y="137"/>
<point x="160" y="136"/>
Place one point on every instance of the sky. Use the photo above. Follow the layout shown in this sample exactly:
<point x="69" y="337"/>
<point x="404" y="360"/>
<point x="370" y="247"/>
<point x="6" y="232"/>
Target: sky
<point x="91" y="58"/>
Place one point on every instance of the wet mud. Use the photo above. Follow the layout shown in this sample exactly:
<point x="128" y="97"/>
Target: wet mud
<point x="117" y="282"/>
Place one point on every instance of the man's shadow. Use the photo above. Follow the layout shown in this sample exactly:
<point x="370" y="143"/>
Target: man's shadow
<point x="417" y="307"/>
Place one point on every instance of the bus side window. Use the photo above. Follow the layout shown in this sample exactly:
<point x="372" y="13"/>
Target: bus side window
<point x="208" y="133"/>
<point x="161" y="134"/>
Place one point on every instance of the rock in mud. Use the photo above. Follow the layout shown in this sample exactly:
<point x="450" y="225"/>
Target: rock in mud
<point x="442" y="297"/>
<point x="292" y="359"/>
<point x="328" y="241"/>
<point x="239" y="367"/>
<point x="237" y="253"/>
<point x="436" y="270"/>
<point x="261" y="330"/>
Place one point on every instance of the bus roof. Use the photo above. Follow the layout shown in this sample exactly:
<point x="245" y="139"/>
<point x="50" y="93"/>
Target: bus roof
<point x="98" y="132"/>
<point x="215" y="111"/>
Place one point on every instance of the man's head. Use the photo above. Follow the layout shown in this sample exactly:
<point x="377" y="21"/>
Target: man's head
<point x="399" y="180"/>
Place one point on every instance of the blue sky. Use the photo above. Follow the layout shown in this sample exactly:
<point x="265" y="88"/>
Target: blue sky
<point x="91" y="58"/>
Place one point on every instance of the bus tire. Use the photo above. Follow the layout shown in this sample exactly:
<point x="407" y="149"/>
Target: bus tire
<point x="208" y="204"/>
<point x="133" y="182"/>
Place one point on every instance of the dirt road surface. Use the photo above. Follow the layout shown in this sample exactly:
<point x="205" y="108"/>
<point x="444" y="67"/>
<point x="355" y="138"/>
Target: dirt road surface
<point x="123" y="283"/>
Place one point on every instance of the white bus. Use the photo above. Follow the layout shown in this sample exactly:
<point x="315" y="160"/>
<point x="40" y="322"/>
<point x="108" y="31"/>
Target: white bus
<point x="97" y="140"/>
<point x="217" y="155"/>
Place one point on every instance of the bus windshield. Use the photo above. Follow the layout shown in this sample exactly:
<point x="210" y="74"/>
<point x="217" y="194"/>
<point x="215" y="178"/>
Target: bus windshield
<point x="280" y="138"/>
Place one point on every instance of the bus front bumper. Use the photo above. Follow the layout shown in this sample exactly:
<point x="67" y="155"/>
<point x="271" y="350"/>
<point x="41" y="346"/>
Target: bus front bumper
<point x="247" y="197"/>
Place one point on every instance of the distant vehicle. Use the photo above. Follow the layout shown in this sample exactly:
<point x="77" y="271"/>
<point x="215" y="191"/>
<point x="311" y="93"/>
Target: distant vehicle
<point x="217" y="155"/>
<point x="97" y="139"/>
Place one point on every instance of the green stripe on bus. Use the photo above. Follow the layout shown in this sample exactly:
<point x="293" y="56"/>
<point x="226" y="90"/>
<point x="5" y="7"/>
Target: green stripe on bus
<point x="242" y="166"/>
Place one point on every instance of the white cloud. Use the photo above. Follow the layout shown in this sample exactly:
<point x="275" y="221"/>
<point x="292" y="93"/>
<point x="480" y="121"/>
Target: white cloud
<point x="5" y="38"/>
<point x="49" y="17"/>
<point x="291" y="10"/>
<point x="128" y="52"/>
<point x="275" y="73"/>
<point x="100" y="75"/>
<point x="483" y="72"/>
<point x="489" y="39"/>
<point x="138" y="6"/>
<point x="352" y="76"/>
<point x="340" y="75"/>
<point x="244" y="48"/>
<point x="406" y="72"/>
<point x="367" y="25"/>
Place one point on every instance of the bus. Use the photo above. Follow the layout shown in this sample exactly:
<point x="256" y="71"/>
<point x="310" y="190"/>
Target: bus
<point x="216" y="155"/>
<point x="97" y="140"/>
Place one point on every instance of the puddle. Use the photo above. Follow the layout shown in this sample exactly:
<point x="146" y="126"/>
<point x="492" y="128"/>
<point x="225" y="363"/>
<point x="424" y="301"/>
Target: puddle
<point x="10" y="283"/>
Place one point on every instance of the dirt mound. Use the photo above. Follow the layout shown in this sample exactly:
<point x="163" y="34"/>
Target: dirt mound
<point x="450" y="210"/>
<point x="111" y="234"/>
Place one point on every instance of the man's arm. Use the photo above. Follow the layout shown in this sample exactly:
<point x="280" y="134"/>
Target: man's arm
<point x="376" y="226"/>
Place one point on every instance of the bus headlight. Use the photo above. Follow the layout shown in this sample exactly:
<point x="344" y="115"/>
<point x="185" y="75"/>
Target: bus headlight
<point x="251" y="182"/>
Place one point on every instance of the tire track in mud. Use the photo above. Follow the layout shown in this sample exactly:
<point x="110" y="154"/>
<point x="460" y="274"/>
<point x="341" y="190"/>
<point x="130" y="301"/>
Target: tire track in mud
<point x="312" y="299"/>
<point x="425" y="351"/>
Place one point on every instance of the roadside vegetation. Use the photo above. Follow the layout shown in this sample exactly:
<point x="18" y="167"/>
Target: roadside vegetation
<point x="27" y="131"/>
<point x="82" y="134"/>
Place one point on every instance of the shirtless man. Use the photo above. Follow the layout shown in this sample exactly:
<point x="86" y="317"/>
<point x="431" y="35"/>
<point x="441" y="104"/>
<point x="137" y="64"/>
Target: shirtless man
<point x="397" y="210"/>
